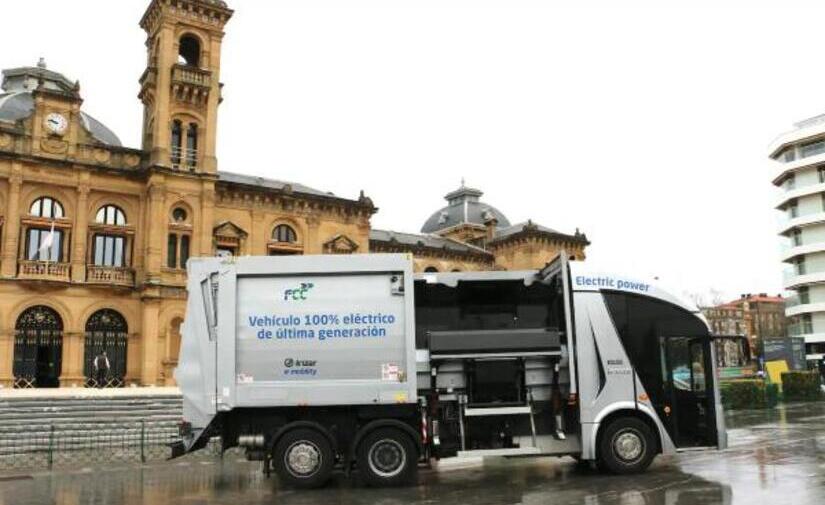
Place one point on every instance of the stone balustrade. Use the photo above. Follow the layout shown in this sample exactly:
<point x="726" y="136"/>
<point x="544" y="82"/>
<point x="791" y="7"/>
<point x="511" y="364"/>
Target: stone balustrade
<point x="44" y="270"/>
<point x="121" y="276"/>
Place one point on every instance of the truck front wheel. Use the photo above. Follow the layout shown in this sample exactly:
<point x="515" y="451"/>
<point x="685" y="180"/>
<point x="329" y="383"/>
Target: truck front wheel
<point x="626" y="446"/>
<point x="387" y="457"/>
<point x="303" y="458"/>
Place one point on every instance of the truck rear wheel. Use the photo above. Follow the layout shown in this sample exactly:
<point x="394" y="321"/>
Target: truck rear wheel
<point x="626" y="446"/>
<point x="303" y="458"/>
<point x="387" y="457"/>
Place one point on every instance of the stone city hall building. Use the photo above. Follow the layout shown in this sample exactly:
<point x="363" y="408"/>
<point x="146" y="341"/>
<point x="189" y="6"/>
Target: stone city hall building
<point x="94" y="236"/>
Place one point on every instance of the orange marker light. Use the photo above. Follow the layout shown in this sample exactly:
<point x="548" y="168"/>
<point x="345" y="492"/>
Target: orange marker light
<point x="643" y="397"/>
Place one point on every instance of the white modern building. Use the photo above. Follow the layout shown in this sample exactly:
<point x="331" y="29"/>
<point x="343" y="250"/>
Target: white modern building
<point x="799" y="170"/>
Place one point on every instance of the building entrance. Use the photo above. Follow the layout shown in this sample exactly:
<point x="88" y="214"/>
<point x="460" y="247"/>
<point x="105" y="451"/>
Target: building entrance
<point x="38" y="348"/>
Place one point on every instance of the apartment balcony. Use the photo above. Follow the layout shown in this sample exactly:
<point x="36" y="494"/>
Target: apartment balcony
<point x="795" y="308"/>
<point x="787" y="224"/>
<point x="807" y="332"/>
<point x="793" y="280"/>
<point x="44" y="271"/>
<point x="798" y="192"/>
<point x="799" y="250"/>
<point x="784" y="169"/>
<point x="111" y="276"/>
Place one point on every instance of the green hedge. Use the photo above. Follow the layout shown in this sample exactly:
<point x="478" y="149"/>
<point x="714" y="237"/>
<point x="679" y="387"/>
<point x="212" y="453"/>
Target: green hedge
<point x="801" y="386"/>
<point x="749" y="394"/>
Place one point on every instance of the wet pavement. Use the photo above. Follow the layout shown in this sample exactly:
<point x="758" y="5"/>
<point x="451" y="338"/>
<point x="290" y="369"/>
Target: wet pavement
<point x="775" y="457"/>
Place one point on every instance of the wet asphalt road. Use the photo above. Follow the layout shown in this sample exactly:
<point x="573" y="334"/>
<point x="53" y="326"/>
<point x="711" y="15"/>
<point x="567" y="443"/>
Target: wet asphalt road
<point x="776" y="457"/>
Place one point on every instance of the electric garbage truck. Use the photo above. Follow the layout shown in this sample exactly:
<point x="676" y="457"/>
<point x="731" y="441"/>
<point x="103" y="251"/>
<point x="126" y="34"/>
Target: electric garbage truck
<point x="314" y="364"/>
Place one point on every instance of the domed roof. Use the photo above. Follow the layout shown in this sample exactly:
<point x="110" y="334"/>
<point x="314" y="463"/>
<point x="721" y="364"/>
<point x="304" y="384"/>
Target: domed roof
<point x="17" y="102"/>
<point x="464" y="207"/>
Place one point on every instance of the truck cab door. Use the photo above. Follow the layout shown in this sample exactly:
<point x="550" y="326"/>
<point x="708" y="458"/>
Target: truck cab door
<point x="689" y="394"/>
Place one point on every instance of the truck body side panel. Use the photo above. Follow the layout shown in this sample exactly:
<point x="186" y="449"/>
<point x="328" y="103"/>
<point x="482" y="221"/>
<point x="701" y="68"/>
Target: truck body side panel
<point x="195" y="373"/>
<point x="322" y="340"/>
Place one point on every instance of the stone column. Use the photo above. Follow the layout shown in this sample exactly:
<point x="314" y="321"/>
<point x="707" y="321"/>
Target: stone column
<point x="12" y="224"/>
<point x="161" y="135"/>
<point x="209" y="162"/>
<point x="312" y="242"/>
<point x="155" y="232"/>
<point x="80" y="239"/>
<point x="149" y="342"/>
<point x="74" y="345"/>
<point x="133" y="356"/>
<point x="258" y="237"/>
<point x="207" y="218"/>
<point x="363" y="237"/>
<point x="7" y="353"/>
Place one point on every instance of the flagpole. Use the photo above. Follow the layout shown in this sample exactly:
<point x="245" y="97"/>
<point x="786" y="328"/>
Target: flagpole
<point x="46" y="245"/>
<point x="49" y="249"/>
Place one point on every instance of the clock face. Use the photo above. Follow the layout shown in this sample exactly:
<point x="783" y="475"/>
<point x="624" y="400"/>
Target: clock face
<point x="56" y="123"/>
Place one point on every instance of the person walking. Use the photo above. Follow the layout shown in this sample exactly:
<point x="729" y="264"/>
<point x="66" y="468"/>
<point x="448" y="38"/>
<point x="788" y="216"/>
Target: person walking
<point x="101" y="364"/>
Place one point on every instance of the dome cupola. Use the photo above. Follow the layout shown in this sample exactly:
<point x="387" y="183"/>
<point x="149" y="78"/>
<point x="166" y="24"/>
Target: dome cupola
<point x="17" y="101"/>
<point x="464" y="207"/>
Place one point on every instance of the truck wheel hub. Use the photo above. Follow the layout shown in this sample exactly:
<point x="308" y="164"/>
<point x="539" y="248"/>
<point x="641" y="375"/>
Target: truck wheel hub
<point x="387" y="458"/>
<point x="303" y="458"/>
<point x="628" y="446"/>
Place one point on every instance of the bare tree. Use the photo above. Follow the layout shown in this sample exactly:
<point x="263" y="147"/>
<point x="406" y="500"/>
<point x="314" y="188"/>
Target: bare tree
<point x="698" y="299"/>
<point x="711" y="298"/>
<point x="716" y="297"/>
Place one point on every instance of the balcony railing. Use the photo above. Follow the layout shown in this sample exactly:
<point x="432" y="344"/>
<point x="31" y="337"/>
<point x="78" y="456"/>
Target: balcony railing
<point x="121" y="276"/>
<point x="800" y="329"/>
<point x="793" y="301"/>
<point x="185" y="74"/>
<point x="44" y="270"/>
<point x="184" y="158"/>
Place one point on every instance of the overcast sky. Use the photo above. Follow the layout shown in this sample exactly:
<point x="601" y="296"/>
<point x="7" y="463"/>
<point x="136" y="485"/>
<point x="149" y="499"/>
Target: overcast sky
<point x="644" y="126"/>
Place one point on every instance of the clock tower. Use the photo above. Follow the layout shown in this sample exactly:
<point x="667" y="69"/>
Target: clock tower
<point x="180" y="88"/>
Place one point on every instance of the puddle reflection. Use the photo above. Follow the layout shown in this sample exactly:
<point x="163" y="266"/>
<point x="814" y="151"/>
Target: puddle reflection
<point x="528" y="482"/>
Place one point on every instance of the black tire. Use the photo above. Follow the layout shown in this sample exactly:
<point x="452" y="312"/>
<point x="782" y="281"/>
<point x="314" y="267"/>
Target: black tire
<point x="626" y="446"/>
<point x="387" y="457"/>
<point x="303" y="458"/>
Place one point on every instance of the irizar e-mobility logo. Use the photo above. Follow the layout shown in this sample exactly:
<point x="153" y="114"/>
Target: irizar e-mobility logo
<point x="298" y="294"/>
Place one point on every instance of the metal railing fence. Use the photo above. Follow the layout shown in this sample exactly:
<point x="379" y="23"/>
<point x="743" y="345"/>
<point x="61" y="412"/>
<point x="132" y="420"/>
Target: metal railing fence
<point x="55" y="445"/>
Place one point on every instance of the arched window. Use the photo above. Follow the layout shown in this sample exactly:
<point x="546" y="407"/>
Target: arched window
<point x="284" y="233"/>
<point x="109" y="249"/>
<point x="110" y="214"/>
<point x="46" y="207"/>
<point x="45" y="243"/>
<point x="177" y="139"/>
<point x="192" y="146"/>
<point x="38" y="340"/>
<point x="431" y="269"/>
<point x="189" y="52"/>
<point x="172" y="251"/>
<point x="178" y="240"/>
<point x="177" y="250"/>
<point x="106" y="331"/>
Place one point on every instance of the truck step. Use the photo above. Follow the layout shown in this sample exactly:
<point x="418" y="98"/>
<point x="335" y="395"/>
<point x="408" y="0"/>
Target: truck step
<point x="497" y="411"/>
<point x="516" y="451"/>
